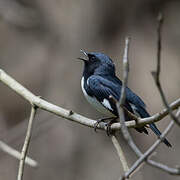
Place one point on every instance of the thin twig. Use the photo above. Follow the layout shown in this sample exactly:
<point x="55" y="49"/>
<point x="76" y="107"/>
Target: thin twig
<point x="125" y="71"/>
<point x="72" y="116"/>
<point x="126" y="134"/>
<point x="14" y="153"/>
<point x="120" y="153"/>
<point x="143" y="157"/>
<point x="119" y="104"/>
<point x="149" y="151"/>
<point x="161" y="138"/>
<point x="163" y="167"/>
<point x="156" y="74"/>
<point x="36" y="101"/>
<point x="26" y="143"/>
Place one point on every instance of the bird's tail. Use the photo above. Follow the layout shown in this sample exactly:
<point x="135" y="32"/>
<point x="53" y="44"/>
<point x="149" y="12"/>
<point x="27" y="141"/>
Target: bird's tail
<point x="158" y="133"/>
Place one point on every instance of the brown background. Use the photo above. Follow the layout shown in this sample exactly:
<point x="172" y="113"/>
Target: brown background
<point x="39" y="43"/>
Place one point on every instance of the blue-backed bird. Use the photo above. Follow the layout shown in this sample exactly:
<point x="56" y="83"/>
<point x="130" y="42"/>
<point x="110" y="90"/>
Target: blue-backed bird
<point x="99" y="82"/>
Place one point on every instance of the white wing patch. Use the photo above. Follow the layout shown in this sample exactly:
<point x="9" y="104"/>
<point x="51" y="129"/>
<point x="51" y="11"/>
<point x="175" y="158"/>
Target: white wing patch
<point x="107" y="104"/>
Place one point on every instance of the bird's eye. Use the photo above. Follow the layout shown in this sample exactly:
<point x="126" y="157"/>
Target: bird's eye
<point x="92" y="58"/>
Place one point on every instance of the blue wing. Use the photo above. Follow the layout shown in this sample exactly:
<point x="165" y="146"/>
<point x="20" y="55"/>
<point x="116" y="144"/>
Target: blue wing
<point x="139" y="106"/>
<point x="102" y="88"/>
<point x="130" y="95"/>
<point x="134" y="100"/>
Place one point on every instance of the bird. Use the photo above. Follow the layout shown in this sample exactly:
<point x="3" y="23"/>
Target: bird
<point x="99" y="82"/>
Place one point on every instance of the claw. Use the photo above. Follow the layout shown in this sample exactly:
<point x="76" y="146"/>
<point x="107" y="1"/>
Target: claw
<point x="108" y="128"/>
<point x="108" y="124"/>
<point x="97" y="123"/>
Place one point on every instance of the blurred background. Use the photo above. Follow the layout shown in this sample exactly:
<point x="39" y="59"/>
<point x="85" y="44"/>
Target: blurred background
<point x="39" y="43"/>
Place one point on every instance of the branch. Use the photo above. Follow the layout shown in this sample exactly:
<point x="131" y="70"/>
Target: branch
<point x="125" y="72"/>
<point x="37" y="102"/>
<point x="119" y="104"/>
<point x="125" y="132"/>
<point x="26" y="143"/>
<point x="163" y="167"/>
<point x="120" y="153"/>
<point x="9" y="150"/>
<point x="156" y="73"/>
<point x="149" y="151"/>
<point x="143" y="157"/>
<point x="70" y="115"/>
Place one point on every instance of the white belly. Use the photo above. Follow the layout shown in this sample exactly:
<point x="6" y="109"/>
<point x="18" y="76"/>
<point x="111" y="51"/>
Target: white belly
<point x="95" y="103"/>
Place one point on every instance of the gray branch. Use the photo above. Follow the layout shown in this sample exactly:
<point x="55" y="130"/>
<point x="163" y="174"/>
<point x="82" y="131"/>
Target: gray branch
<point x="120" y="153"/>
<point x="11" y="151"/>
<point x="26" y="143"/>
<point x="126" y="134"/>
<point x="156" y="73"/>
<point x="69" y="114"/>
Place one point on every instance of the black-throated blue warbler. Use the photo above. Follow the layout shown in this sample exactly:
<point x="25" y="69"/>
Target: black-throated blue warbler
<point x="99" y="82"/>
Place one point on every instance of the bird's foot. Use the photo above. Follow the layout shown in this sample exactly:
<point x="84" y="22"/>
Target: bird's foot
<point x="99" y="121"/>
<point x="108" y="124"/>
<point x="108" y="127"/>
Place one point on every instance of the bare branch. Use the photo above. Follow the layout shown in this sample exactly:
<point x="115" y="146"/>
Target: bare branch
<point x="149" y="151"/>
<point x="156" y="73"/>
<point x="120" y="153"/>
<point x="26" y="143"/>
<point x="173" y="171"/>
<point x="36" y="101"/>
<point x="9" y="150"/>
<point x="127" y="136"/>
<point x="125" y="71"/>
<point x="144" y="157"/>
<point x="119" y="104"/>
<point x="70" y="115"/>
<point x="163" y="167"/>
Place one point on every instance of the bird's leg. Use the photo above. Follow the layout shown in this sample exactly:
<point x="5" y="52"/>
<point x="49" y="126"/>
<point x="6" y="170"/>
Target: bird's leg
<point x="108" y="126"/>
<point x="101" y="120"/>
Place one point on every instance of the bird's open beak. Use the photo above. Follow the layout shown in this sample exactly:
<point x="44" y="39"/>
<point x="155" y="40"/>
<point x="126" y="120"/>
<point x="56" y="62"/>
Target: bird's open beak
<point x="82" y="59"/>
<point x="85" y="53"/>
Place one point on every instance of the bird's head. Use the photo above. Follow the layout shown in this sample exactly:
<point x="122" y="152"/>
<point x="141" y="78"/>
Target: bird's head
<point x="97" y="63"/>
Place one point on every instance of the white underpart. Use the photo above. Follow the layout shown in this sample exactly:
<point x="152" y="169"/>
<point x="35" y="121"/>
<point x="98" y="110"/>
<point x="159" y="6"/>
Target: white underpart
<point x="134" y="108"/>
<point x="87" y="81"/>
<point x="96" y="104"/>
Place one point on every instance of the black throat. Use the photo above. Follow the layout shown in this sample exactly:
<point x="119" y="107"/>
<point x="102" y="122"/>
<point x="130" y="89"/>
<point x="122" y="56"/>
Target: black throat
<point x="98" y="69"/>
